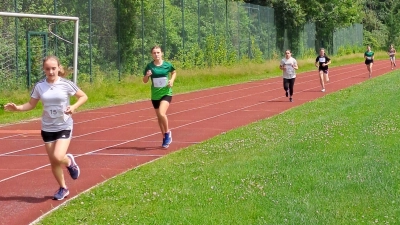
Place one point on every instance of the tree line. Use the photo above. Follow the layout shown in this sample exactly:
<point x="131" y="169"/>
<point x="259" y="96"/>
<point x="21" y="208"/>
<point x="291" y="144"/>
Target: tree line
<point x="380" y="19"/>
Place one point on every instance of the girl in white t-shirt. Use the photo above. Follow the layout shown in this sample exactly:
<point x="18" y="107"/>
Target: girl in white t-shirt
<point x="289" y="66"/>
<point x="392" y="56"/>
<point x="57" y="124"/>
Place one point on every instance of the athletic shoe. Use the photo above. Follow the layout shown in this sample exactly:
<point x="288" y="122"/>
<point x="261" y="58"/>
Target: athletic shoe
<point x="73" y="169"/>
<point x="291" y="99"/>
<point x="61" y="194"/>
<point x="286" y="94"/>
<point x="323" y="90"/>
<point x="167" y="139"/>
<point x="163" y="142"/>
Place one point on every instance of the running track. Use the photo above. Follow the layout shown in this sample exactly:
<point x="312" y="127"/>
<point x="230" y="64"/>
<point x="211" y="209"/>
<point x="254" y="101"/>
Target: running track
<point x="112" y="140"/>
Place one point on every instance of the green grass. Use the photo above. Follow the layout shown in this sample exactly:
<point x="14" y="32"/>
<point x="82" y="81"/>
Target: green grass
<point x="108" y="93"/>
<point x="330" y="161"/>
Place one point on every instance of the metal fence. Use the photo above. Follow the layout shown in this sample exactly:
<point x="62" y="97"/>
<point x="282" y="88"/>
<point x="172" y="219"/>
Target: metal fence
<point x="347" y="37"/>
<point x="192" y="33"/>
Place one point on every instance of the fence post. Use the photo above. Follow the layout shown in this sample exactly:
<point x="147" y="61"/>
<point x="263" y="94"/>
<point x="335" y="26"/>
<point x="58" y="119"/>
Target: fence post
<point x="90" y="41"/>
<point x="213" y="7"/>
<point x="183" y="25"/>
<point x="142" y="9"/>
<point x="119" y="38"/>
<point x="16" y="39"/>
<point x="198" y="23"/>
<point x="164" y="30"/>
<point x="238" y="28"/>
<point x="55" y="30"/>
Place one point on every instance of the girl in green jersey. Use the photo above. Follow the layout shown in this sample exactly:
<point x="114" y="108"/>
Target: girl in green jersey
<point x="162" y="76"/>
<point x="369" y="60"/>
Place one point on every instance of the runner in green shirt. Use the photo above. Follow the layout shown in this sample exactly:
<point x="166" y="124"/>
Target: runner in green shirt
<point x="162" y="76"/>
<point x="369" y="60"/>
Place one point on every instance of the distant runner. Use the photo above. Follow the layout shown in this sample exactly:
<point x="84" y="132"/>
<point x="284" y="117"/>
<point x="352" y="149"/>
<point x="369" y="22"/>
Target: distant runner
<point x="392" y="56"/>
<point x="369" y="60"/>
<point x="289" y="66"/>
<point x="321" y="62"/>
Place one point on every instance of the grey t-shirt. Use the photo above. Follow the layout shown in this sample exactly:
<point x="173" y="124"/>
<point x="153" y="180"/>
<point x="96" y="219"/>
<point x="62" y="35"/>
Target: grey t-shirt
<point x="290" y="72"/>
<point x="55" y="100"/>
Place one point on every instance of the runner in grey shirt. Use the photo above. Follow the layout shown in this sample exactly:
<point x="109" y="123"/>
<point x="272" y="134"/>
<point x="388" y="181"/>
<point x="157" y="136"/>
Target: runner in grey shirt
<point x="289" y="66"/>
<point x="392" y="56"/>
<point x="54" y="92"/>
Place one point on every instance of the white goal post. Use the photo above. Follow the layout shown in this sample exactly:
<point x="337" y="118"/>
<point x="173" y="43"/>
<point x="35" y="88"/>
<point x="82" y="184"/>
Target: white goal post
<point x="39" y="16"/>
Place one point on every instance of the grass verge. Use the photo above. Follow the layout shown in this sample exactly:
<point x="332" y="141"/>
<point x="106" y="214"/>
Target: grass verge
<point x="331" y="161"/>
<point x="105" y="93"/>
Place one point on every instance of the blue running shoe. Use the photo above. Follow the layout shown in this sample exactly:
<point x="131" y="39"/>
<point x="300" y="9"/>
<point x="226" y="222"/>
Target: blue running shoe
<point x="61" y="194"/>
<point x="163" y="142"/>
<point x="167" y="139"/>
<point x="73" y="169"/>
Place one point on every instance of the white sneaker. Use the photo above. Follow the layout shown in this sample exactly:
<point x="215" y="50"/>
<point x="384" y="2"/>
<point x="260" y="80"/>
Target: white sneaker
<point x="323" y="90"/>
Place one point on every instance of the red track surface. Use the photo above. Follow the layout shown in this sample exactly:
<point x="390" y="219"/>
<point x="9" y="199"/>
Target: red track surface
<point x="112" y="140"/>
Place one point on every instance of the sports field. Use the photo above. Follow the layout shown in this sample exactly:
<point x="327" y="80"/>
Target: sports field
<point x="330" y="161"/>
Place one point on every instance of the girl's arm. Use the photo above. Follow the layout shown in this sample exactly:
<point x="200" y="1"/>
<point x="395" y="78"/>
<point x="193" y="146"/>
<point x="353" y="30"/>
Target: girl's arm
<point x="82" y="98"/>
<point x="25" y="107"/>
<point x="147" y="76"/>
<point x="171" y="81"/>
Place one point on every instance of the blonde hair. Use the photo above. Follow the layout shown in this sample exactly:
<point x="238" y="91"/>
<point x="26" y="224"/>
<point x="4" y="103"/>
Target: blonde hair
<point x="61" y="72"/>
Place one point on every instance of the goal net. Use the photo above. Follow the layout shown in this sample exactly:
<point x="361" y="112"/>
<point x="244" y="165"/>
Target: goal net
<point x="25" y="39"/>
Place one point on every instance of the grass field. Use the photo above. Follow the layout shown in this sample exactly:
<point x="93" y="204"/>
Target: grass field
<point x="105" y="93"/>
<point x="330" y="161"/>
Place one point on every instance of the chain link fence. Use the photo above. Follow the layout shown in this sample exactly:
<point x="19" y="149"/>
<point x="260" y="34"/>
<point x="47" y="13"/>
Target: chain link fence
<point x="347" y="38"/>
<point x="116" y="36"/>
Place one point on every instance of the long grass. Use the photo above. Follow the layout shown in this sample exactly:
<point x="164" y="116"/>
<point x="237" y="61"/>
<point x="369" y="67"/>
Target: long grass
<point x="331" y="161"/>
<point x="105" y="92"/>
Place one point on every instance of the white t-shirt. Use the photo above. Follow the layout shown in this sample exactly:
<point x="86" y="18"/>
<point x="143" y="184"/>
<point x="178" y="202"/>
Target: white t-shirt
<point x="55" y="100"/>
<point x="290" y="72"/>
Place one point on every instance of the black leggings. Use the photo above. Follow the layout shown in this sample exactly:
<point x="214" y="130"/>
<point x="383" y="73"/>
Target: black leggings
<point x="288" y="85"/>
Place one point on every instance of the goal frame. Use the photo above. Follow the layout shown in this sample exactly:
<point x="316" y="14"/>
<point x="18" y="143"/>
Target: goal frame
<point x="76" y="33"/>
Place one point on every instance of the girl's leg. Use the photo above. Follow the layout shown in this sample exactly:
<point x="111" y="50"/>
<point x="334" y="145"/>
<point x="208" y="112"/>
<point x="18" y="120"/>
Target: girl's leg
<point x="321" y="80"/>
<point x="291" y="85"/>
<point x="162" y="117"/>
<point x="56" y="152"/>
<point x="327" y="76"/>
<point x="286" y="86"/>
<point x="370" y="69"/>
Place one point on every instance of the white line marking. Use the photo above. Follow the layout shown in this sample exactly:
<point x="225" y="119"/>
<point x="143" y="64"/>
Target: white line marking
<point x="184" y="125"/>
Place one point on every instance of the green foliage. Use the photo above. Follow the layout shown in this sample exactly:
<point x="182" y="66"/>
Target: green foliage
<point x="2" y="103"/>
<point x="381" y="23"/>
<point x="257" y="55"/>
<point x="192" y="33"/>
<point x="347" y="50"/>
<point x="308" y="53"/>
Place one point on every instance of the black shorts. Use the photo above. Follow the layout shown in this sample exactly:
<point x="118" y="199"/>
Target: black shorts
<point x="324" y="70"/>
<point x="54" y="136"/>
<point x="369" y="61"/>
<point x="156" y="103"/>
